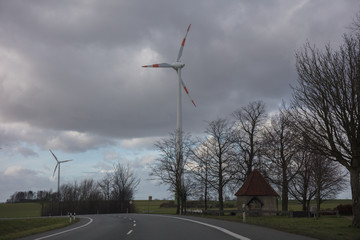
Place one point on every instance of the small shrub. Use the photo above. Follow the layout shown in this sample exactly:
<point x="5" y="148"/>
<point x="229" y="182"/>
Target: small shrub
<point x="345" y="209"/>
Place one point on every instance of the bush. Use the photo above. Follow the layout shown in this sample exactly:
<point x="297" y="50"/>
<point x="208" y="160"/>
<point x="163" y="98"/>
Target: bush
<point x="345" y="209"/>
<point x="169" y="204"/>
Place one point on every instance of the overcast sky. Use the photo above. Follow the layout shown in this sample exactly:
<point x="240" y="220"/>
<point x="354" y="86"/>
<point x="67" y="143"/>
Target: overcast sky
<point x="71" y="77"/>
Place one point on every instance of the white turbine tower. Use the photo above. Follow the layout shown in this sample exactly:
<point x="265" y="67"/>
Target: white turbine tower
<point x="177" y="66"/>
<point x="58" y="166"/>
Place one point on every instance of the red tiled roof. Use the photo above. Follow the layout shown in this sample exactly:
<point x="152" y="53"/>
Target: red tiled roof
<point x="256" y="185"/>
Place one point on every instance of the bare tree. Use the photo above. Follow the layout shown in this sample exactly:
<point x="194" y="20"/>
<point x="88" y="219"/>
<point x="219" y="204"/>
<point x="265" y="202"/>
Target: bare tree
<point x="301" y="186"/>
<point x="200" y="168"/>
<point x="327" y="100"/>
<point x="105" y="186"/>
<point x="168" y="170"/>
<point x="328" y="178"/>
<point x="219" y="147"/>
<point x="88" y="190"/>
<point x="280" y="151"/>
<point x="124" y="184"/>
<point x="249" y="121"/>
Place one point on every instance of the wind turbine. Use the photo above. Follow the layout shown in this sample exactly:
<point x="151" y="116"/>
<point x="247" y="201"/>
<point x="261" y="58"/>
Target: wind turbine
<point x="177" y="66"/>
<point x="58" y="165"/>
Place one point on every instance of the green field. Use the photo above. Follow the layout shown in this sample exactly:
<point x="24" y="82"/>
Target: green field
<point x="153" y="207"/>
<point x="8" y="210"/>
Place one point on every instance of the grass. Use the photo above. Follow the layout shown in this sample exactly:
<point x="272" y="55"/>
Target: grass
<point x="329" y="227"/>
<point x="326" y="227"/>
<point x="153" y="207"/>
<point x="16" y="228"/>
<point x="8" y="210"/>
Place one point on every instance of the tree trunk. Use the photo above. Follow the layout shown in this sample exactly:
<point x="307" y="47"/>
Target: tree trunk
<point x="178" y="201"/>
<point x="285" y="199"/>
<point x="221" y="199"/>
<point x="355" y="190"/>
<point x="206" y="196"/>
<point x="284" y="191"/>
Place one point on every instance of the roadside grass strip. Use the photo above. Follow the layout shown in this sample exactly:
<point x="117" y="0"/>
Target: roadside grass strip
<point x="17" y="228"/>
<point x="324" y="228"/>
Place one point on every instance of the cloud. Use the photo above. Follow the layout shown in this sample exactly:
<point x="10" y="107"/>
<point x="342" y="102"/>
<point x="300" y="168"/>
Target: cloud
<point x="18" y="171"/>
<point x="13" y="134"/>
<point x="139" y="143"/>
<point x="75" y="67"/>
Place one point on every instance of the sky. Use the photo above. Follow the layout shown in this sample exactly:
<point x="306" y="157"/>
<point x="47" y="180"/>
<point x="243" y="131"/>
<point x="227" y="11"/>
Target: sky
<point x="71" y="78"/>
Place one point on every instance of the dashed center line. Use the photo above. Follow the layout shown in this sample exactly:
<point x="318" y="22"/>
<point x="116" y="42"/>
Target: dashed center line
<point x="129" y="232"/>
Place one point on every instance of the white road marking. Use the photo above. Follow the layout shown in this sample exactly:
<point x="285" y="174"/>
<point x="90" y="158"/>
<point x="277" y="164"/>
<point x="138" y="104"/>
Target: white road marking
<point x="235" y="235"/>
<point x="129" y="232"/>
<point x="69" y="230"/>
<point x="134" y="225"/>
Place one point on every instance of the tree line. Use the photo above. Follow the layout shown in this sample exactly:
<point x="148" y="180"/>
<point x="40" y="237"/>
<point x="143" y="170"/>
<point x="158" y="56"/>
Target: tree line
<point x="299" y="149"/>
<point x="218" y="163"/>
<point x="112" y="194"/>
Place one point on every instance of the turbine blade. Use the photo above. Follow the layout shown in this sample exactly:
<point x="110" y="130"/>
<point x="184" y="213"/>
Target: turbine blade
<point x="182" y="45"/>
<point x="65" y="161"/>
<point x="55" y="168"/>
<point x="185" y="88"/>
<point x="159" y="65"/>
<point x="54" y="155"/>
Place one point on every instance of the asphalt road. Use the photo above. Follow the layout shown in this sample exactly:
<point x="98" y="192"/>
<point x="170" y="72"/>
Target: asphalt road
<point x="161" y="227"/>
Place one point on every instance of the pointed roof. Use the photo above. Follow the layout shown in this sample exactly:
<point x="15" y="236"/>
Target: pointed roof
<point x="256" y="185"/>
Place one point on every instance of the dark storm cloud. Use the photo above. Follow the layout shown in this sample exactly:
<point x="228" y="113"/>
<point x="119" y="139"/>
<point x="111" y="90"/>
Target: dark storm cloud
<point x="75" y="66"/>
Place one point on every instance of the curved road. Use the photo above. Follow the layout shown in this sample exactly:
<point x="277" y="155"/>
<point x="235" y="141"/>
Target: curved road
<point x="161" y="227"/>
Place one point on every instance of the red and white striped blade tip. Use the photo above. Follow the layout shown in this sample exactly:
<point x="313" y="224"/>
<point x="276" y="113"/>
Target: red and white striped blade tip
<point x="153" y="65"/>
<point x="193" y="102"/>
<point x="159" y="65"/>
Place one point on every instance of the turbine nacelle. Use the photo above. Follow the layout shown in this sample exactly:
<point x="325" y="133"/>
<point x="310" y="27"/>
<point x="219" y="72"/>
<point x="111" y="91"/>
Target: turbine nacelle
<point x="177" y="65"/>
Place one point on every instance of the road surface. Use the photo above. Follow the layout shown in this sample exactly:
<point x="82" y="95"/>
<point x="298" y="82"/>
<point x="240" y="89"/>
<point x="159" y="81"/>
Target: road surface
<point x="161" y="227"/>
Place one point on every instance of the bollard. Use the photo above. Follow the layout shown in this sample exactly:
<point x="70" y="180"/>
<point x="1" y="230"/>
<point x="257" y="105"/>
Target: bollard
<point x="244" y="214"/>
<point x="74" y="216"/>
<point x="69" y="217"/>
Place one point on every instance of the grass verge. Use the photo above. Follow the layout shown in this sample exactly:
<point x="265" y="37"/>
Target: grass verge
<point x="326" y="227"/>
<point x="17" y="228"/>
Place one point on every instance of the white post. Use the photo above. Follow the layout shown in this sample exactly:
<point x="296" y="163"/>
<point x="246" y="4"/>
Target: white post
<point x="244" y="214"/>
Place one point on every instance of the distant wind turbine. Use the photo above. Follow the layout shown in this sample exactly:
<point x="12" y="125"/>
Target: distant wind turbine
<point x="177" y="66"/>
<point x="58" y="165"/>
